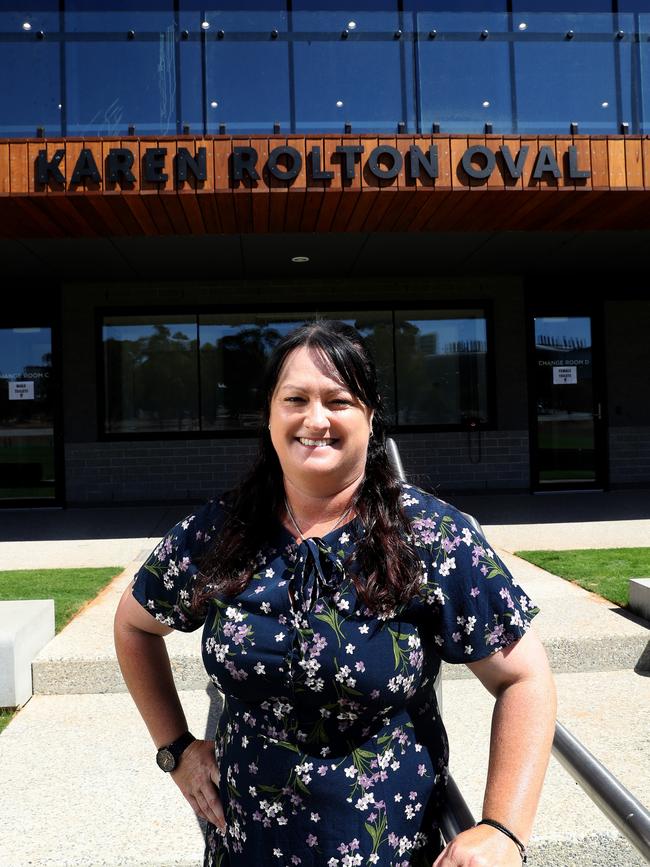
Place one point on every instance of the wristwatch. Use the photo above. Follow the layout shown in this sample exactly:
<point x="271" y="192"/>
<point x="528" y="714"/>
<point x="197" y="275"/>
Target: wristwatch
<point x="168" y="757"/>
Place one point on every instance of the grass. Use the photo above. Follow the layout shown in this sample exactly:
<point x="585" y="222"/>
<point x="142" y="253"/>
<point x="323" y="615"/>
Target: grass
<point x="70" y="589"/>
<point x="603" y="571"/>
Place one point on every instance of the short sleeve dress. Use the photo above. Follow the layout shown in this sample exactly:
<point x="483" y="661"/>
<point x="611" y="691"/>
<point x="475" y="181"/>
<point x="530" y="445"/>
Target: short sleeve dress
<point x="330" y="744"/>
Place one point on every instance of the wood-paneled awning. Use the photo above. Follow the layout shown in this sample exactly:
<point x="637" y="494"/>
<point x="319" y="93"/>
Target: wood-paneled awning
<point x="146" y="187"/>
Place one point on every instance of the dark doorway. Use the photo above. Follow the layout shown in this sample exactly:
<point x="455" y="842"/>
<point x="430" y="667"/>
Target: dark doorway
<point x="29" y="442"/>
<point x="567" y="427"/>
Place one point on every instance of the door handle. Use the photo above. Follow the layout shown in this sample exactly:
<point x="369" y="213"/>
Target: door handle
<point x="599" y="411"/>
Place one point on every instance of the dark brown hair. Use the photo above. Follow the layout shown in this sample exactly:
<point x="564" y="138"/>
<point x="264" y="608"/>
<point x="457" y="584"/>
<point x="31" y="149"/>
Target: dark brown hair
<point x="386" y="572"/>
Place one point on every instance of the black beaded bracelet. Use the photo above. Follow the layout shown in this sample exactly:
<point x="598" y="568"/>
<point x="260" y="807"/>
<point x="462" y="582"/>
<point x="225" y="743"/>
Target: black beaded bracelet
<point x="508" y="833"/>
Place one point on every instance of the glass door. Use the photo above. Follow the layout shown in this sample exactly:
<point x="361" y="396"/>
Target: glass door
<point x="27" y="410"/>
<point x="567" y="417"/>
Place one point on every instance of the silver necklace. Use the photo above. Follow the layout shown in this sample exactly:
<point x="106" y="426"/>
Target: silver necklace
<point x="295" y="523"/>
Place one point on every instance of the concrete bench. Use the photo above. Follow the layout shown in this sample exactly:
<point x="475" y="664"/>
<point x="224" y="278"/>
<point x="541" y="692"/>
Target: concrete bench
<point x="640" y="597"/>
<point x="26" y="625"/>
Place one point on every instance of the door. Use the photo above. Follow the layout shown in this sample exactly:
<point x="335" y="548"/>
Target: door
<point x="28" y="445"/>
<point x="567" y="435"/>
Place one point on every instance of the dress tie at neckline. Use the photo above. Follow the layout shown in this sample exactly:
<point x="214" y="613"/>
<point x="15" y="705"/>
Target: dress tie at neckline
<point x="319" y="572"/>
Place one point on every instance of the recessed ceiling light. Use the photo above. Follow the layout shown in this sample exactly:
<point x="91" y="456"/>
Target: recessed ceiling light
<point x="486" y="103"/>
<point x="205" y="25"/>
<point x="27" y="25"/>
<point x="339" y="103"/>
<point x="605" y="104"/>
<point x="214" y="103"/>
<point x="300" y="258"/>
<point x="522" y="25"/>
<point x="352" y="25"/>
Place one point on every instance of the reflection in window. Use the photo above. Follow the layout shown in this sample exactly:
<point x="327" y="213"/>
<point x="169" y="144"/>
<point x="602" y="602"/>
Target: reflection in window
<point x="30" y="71"/>
<point x="26" y="414"/>
<point x="584" y="80"/>
<point x="236" y="347"/>
<point x="151" y="377"/>
<point x="441" y="367"/>
<point x="464" y="81"/>
<point x="113" y="81"/>
<point x="160" y="370"/>
<point x="365" y="78"/>
<point x="247" y="72"/>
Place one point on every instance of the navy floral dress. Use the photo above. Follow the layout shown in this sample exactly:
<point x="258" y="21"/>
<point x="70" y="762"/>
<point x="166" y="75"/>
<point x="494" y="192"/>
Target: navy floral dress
<point x="330" y="745"/>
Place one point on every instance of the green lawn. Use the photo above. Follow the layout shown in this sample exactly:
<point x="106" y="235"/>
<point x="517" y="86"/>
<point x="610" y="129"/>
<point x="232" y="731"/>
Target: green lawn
<point x="70" y="589"/>
<point x="605" y="571"/>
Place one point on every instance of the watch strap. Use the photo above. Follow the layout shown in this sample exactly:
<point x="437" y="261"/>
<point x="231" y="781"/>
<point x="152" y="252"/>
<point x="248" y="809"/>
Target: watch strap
<point x="176" y="748"/>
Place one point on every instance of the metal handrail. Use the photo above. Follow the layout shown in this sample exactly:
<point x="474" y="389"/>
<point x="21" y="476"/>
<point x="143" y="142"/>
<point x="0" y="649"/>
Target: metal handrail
<point x="608" y="794"/>
<point x="616" y="802"/>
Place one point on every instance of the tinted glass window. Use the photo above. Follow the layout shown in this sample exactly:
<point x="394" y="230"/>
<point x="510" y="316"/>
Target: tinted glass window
<point x="464" y="80"/>
<point x="643" y="80"/>
<point x="247" y="70"/>
<point x="113" y="81"/>
<point x="30" y="69"/>
<point x="151" y="375"/>
<point x="159" y="370"/>
<point x="441" y="367"/>
<point x="26" y="413"/>
<point x="584" y="79"/>
<point x="365" y="79"/>
<point x="235" y="348"/>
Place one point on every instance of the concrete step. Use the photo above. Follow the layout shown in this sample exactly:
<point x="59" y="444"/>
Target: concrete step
<point x="81" y="788"/>
<point x="581" y="632"/>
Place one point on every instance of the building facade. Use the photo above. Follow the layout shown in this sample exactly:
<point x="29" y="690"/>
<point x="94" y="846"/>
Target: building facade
<point x="180" y="186"/>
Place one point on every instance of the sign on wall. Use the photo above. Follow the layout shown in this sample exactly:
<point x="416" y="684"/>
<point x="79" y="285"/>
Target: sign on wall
<point x="284" y="163"/>
<point x="21" y="390"/>
<point x="565" y="375"/>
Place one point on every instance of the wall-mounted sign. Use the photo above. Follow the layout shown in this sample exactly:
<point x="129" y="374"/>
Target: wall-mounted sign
<point x="21" y="390"/>
<point x="565" y="376"/>
<point x="284" y="163"/>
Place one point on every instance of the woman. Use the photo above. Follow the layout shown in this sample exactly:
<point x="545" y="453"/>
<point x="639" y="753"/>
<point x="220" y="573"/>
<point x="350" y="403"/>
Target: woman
<point x="330" y="593"/>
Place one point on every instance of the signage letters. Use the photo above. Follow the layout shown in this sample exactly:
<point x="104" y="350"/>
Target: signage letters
<point x="284" y="163"/>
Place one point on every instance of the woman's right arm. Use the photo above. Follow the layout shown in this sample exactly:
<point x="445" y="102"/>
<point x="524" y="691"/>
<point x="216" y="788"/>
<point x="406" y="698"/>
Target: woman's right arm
<point x="143" y="659"/>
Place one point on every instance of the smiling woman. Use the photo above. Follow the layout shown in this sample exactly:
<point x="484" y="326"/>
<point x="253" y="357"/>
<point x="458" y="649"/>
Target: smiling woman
<point x="320" y="431"/>
<point x="329" y="594"/>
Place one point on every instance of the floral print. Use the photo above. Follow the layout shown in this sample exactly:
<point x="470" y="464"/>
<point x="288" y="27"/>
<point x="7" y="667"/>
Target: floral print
<point x="330" y="744"/>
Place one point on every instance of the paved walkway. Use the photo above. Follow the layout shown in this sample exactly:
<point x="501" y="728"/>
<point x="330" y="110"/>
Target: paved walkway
<point x="79" y="741"/>
<point x="97" y="536"/>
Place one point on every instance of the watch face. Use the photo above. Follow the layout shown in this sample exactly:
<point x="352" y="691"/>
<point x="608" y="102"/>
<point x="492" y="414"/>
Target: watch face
<point x="165" y="760"/>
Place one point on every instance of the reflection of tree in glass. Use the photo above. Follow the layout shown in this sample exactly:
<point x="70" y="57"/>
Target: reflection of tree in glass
<point x="152" y="381"/>
<point x="232" y="371"/>
<point x="378" y="334"/>
<point x="413" y="386"/>
<point x="438" y="384"/>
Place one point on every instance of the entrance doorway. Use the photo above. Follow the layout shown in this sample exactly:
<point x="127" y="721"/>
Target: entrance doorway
<point x="28" y="444"/>
<point x="567" y="435"/>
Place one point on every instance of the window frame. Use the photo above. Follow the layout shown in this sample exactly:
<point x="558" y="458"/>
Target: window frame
<point x="414" y="305"/>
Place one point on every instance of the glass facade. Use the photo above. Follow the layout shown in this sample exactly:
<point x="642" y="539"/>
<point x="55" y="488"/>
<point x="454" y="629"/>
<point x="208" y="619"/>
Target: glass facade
<point x="192" y="373"/>
<point x="27" y="465"/>
<point x="566" y="411"/>
<point x="99" y="68"/>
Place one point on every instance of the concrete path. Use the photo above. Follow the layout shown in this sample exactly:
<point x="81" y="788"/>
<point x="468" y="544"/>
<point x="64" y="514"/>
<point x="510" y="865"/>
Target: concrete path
<point x="78" y="762"/>
<point x="105" y="536"/>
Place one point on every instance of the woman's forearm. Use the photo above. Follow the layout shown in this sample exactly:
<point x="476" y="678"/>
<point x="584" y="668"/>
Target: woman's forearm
<point x="148" y="676"/>
<point x="523" y="724"/>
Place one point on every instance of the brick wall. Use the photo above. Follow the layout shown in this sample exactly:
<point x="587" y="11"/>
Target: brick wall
<point x="182" y="470"/>
<point x="155" y="471"/>
<point x="629" y="455"/>
<point x="488" y="460"/>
